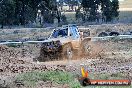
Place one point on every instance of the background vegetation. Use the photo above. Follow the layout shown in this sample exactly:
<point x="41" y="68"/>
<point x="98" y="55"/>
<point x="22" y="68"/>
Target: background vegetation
<point x="23" y="12"/>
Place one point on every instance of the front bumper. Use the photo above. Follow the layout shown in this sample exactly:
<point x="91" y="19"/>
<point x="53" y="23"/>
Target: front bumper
<point x="54" y="46"/>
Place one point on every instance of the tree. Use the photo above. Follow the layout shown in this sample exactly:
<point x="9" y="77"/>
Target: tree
<point x="115" y="8"/>
<point x="50" y="11"/>
<point x="109" y="9"/>
<point x="106" y="10"/>
<point x="90" y="9"/>
<point x="60" y="4"/>
<point x="22" y="11"/>
<point x="25" y="11"/>
<point x="6" y="12"/>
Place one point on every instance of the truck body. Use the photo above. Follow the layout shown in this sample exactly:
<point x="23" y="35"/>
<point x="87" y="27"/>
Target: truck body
<point x="64" y="43"/>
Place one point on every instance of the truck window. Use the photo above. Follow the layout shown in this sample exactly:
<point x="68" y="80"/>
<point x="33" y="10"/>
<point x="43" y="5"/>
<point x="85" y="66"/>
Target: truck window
<point x="74" y="33"/>
<point x="60" y="33"/>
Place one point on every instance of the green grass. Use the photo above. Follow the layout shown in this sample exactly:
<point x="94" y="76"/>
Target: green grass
<point x="106" y="76"/>
<point x="31" y="78"/>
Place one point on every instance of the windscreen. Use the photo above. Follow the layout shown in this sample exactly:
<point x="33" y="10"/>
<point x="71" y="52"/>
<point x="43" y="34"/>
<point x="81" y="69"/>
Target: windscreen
<point x="60" y="33"/>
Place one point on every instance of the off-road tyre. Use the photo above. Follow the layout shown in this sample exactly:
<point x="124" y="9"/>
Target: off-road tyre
<point x="67" y="52"/>
<point x="43" y="56"/>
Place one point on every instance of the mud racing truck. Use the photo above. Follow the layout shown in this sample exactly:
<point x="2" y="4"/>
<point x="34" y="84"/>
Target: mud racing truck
<point x="64" y="43"/>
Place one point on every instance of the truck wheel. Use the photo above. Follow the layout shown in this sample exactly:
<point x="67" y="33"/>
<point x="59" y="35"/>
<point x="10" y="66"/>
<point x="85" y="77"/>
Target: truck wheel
<point x="43" y="56"/>
<point x="67" y="52"/>
<point x="86" y="48"/>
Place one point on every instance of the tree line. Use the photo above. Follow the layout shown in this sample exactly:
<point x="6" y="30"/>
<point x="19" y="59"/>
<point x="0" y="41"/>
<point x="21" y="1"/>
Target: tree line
<point x="95" y="9"/>
<point x="20" y="12"/>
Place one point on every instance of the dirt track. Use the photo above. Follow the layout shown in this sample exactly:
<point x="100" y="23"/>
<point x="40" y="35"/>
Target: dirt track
<point x="113" y="57"/>
<point x="113" y="54"/>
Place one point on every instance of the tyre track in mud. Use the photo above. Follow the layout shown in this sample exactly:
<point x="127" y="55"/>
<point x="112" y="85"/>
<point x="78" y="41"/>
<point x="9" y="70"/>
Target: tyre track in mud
<point x="12" y="60"/>
<point x="114" y="59"/>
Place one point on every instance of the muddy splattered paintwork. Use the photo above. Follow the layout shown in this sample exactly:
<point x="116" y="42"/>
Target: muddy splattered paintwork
<point x="60" y="39"/>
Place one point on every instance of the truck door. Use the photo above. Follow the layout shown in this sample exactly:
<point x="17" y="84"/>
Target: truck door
<point x="75" y="37"/>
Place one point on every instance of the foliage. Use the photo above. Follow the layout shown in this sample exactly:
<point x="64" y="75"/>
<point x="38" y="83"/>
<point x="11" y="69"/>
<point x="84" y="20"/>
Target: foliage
<point x="31" y="78"/>
<point x="109" y="9"/>
<point x="115" y="7"/>
<point x="78" y="14"/>
<point x="21" y="12"/>
<point x="6" y="12"/>
<point x="64" y="20"/>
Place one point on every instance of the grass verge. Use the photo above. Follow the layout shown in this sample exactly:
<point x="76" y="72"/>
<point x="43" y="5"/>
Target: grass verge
<point x="31" y="78"/>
